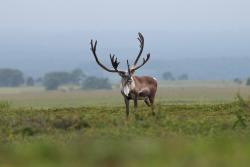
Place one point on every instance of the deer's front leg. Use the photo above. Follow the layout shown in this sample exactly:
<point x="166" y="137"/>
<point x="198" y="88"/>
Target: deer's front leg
<point x="126" y="100"/>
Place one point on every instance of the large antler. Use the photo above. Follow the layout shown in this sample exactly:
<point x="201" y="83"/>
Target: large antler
<point x="129" y="72"/>
<point x="141" y="40"/>
<point x="144" y="62"/>
<point x="114" y="61"/>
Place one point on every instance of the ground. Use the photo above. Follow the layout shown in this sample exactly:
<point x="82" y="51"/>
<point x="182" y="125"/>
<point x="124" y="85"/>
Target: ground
<point x="196" y="124"/>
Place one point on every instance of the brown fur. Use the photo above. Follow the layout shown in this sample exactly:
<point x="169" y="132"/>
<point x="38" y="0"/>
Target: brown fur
<point x="145" y="89"/>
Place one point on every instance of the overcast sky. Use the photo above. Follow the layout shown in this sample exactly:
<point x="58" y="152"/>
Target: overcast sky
<point x="188" y="15"/>
<point x="42" y="35"/>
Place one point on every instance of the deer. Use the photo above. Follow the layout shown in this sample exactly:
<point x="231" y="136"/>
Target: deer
<point x="132" y="87"/>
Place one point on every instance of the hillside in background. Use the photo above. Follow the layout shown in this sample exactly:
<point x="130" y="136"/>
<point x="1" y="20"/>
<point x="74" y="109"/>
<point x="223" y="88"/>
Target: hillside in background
<point x="202" y="55"/>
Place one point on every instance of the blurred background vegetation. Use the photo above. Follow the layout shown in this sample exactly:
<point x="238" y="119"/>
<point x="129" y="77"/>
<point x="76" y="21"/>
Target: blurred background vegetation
<point x="77" y="78"/>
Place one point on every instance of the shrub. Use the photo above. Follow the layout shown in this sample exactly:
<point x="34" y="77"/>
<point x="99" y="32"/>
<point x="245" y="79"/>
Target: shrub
<point x="53" y="80"/>
<point x="30" y="81"/>
<point x="77" y="76"/>
<point x="241" y="112"/>
<point x="248" y="81"/>
<point x="67" y="123"/>
<point x="168" y="76"/>
<point x="4" y="105"/>
<point x="183" y="77"/>
<point x="11" y="77"/>
<point x="96" y="83"/>
<point x="26" y="131"/>
<point x="238" y="80"/>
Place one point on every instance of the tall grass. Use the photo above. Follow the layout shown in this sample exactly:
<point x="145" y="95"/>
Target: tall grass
<point x="4" y="105"/>
<point x="242" y="112"/>
<point x="177" y="135"/>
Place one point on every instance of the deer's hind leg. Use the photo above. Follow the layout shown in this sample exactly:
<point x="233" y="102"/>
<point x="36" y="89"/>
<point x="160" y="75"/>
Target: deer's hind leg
<point x="135" y="103"/>
<point x="146" y="100"/>
<point x="151" y="100"/>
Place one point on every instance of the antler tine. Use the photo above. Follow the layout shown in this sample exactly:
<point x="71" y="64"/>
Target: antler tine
<point x="141" y="45"/>
<point x="111" y="57"/>
<point x="95" y="45"/>
<point x="141" y="40"/>
<point x="128" y="67"/>
<point x="93" y="49"/>
<point x="91" y="44"/>
<point x="114" y="61"/>
<point x="144" y="62"/>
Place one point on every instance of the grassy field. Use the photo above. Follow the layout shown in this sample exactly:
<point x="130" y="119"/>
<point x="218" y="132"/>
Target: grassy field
<point x="195" y="125"/>
<point x="168" y="93"/>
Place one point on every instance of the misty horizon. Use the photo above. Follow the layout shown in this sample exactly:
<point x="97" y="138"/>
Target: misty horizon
<point x="36" y="54"/>
<point x="183" y="37"/>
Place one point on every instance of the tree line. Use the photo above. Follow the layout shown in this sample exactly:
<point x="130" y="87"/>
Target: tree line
<point x="53" y="80"/>
<point x="170" y="77"/>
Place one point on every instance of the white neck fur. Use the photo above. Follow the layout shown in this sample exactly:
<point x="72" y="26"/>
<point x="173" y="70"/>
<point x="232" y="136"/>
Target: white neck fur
<point x="126" y="88"/>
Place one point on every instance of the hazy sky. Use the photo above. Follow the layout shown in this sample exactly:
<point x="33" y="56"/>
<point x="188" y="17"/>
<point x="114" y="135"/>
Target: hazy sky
<point x="203" y="15"/>
<point x="42" y="35"/>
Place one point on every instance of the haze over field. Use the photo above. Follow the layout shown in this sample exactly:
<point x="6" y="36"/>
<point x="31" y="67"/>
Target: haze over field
<point x="206" y="39"/>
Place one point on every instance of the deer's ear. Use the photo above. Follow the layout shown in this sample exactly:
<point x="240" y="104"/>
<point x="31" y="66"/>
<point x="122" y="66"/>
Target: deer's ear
<point x="132" y="72"/>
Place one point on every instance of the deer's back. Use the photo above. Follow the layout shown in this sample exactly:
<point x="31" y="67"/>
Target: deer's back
<point x="145" y="81"/>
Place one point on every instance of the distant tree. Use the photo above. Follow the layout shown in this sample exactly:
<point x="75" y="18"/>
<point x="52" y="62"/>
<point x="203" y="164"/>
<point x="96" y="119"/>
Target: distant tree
<point x="248" y="81"/>
<point x="77" y="76"/>
<point x="53" y="80"/>
<point x="11" y="77"/>
<point x="30" y="81"/>
<point x="183" y="77"/>
<point x="39" y="80"/>
<point x="168" y="76"/>
<point x="237" y="80"/>
<point x="92" y="82"/>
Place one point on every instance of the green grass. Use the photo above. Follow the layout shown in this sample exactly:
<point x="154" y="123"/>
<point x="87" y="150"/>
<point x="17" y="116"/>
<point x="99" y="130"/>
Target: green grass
<point x="169" y="93"/>
<point x="195" y="125"/>
<point x="178" y="135"/>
